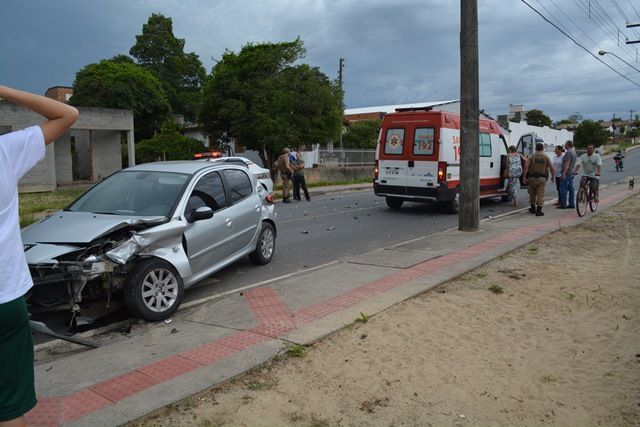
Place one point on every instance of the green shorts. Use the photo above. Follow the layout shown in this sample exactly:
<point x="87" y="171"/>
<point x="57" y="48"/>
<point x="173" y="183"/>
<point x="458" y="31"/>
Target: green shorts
<point x="17" y="391"/>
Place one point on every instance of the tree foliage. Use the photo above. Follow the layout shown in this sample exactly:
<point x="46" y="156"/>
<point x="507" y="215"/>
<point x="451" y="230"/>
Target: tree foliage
<point x="181" y="74"/>
<point x="168" y="144"/>
<point x="258" y="98"/>
<point x="119" y="83"/>
<point x="590" y="132"/>
<point x="538" y="118"/>
<point x="361" y="134"/>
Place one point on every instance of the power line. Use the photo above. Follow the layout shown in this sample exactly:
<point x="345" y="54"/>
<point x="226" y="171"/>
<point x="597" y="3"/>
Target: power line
<point x="573" y="22"/>
<point x="603" y="22"/>
<point x="634" y="8"/>
<point x="624" y="15"/>
<point x="573" y="40"/>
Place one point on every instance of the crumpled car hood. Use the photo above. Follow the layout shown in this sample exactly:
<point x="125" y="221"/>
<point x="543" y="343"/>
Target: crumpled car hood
<point x="45" y="253"/>
<point x="80" y="227"/>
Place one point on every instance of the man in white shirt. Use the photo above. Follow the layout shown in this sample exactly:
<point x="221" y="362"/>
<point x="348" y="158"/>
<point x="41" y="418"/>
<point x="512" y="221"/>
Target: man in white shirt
<point x="20" y="151"/>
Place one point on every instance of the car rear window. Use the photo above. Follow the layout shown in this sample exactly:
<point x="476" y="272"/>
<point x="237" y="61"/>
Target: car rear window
<point x="423" y="141"/>
<point x="394" y="141"/>
<point x="239" y="184"/>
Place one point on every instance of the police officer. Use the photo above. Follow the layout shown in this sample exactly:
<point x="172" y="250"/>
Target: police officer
<point x="536" y="172"/>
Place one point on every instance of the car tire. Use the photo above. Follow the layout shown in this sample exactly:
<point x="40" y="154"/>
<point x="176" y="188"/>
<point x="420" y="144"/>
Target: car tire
<point x="453" y="205"/>
<point x="394" y="202"/>
<point x="150" y="279"/>
<point x="266" y="245"/>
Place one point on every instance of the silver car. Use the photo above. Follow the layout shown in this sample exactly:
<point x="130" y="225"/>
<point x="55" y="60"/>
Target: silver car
<point x="148" y="232"/>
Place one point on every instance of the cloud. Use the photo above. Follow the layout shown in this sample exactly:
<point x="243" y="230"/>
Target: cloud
<point x="395" y="52"/>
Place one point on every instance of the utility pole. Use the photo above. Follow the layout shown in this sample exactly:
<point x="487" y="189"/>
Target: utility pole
<point x="341" y="67"/>
<point x="468" y="219"/>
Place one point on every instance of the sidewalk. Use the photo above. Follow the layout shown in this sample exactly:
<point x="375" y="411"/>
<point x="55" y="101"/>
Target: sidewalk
<point x="153" y="365"/>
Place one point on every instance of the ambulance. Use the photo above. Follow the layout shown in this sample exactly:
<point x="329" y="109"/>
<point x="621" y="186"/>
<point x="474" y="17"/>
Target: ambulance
<point x="418" y="159"/>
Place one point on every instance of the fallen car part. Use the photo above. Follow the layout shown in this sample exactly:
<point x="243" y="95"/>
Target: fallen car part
<point x="44" y="329"/>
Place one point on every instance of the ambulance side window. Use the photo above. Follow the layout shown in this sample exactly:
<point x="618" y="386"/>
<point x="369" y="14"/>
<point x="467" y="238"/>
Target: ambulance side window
<point x="394" y="141"/>
<point x="423" y="141"/>
<point x="485" y="145"/>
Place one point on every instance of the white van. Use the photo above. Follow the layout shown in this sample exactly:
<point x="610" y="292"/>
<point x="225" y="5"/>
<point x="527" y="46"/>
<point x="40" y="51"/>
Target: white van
<point x="418" y="159"/>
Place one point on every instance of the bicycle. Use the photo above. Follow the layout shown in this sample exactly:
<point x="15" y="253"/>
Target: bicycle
<point x="585" y="196"/>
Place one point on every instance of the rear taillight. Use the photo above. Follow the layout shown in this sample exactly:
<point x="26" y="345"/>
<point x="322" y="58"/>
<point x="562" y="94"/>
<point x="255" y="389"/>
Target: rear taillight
<point x="442" y="171"/>
<point x="269" y="198"/>
<point x="375" y="170"/>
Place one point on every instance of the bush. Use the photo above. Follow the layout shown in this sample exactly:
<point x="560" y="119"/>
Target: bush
<point x="169" y="144"/>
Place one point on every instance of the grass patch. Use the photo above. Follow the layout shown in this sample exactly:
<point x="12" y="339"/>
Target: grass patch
<point x="481" y="274"/>
<point x="296" y="350"/>
<point x="363" y="318"/>
<point x="549" y="378"/>
<point x="571" y="296"/>
<point x="496" y="289"/>
<point x="533" y="249"/>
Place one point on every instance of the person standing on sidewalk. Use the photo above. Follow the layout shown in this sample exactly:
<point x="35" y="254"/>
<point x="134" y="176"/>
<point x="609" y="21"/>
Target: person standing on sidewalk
<point x="557" y="165"/>
<point x="286" y="171"/>
<point x="514" y="171"/>
<point x="568" y="198"/>
<point x="536" y="173"/>
<point x="20" y="151"/>
<point x="298" y="178"/>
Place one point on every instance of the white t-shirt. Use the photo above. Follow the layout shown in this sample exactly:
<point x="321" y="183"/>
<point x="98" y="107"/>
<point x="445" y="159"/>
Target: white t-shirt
<point x="19" y="152"/>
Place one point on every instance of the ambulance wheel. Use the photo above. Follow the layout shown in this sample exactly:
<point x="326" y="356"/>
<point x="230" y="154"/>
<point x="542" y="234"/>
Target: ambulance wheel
<point x="453" y="205"/>
<point x="394" y="202"/>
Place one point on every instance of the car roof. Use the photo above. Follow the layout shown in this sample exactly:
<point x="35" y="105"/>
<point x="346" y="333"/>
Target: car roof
<point x="180" y="166"/>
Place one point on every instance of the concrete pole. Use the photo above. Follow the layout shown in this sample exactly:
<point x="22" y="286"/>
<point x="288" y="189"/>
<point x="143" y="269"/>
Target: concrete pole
<point x="469" y="112"/>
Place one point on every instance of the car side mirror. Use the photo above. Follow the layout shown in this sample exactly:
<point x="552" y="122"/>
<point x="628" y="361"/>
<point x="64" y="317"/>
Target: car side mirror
<point x="204" y="212"/>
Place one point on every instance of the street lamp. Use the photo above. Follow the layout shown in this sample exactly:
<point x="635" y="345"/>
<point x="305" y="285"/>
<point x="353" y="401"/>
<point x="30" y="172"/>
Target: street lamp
<point x="603" y="52"/>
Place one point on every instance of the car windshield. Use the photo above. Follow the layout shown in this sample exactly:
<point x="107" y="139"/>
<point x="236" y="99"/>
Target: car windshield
<point x="133" y="193"/>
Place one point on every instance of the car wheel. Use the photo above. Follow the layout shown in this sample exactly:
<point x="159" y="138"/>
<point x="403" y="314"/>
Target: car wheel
<point x="453" y="206"/>
<point x="153" y="290"/>
<point x="394" y="202"/>
<point x="266" y="245"/>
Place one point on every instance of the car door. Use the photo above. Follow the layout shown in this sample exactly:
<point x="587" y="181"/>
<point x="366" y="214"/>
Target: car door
<point x="244" y="212"/>
<point x="208" y="241"/>
<point x="393" y="163"/>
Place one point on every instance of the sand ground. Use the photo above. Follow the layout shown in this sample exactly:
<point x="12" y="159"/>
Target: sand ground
<point x="557" y="342"/>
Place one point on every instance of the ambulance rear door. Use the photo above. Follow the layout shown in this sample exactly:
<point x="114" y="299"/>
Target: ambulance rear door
<point x="392" y="166"/>
<point x="422" y="172"/>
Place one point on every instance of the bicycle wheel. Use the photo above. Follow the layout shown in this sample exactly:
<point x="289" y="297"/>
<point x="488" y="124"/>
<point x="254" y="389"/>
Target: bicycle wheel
<point x="593" y="205"/>
<point x="581" y="201"/>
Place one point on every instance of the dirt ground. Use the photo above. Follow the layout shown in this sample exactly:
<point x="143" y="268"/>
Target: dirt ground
<point x="546" y="335"/>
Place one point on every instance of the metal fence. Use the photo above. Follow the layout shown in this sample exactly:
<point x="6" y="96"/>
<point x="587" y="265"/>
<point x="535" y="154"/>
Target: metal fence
<point x="346" y="157"/>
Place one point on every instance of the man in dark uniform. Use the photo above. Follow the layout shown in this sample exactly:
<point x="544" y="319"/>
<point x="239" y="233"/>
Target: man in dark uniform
<point x="536" y="172"/>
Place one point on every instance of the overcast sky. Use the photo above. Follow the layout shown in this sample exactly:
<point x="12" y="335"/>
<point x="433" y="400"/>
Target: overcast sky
<point x="396" y="51"/>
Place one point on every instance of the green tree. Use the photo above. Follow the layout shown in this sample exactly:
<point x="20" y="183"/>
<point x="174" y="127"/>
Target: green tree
<point x="181" y="74"/>
<point x="168" y="144"/>
<point x="362" y="134"/>
<point x="590" y="132"/>
<point x="258" y="98"/>
<point x="119" y="83"/>
<point x="538" y="118"/>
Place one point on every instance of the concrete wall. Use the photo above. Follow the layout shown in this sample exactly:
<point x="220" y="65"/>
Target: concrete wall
<point x="63" y="165"/>
<point x="107" y="154"/>
<point x="103" y="151"/>
<point x="343" y="174"/>
<point x="550" y="136"/>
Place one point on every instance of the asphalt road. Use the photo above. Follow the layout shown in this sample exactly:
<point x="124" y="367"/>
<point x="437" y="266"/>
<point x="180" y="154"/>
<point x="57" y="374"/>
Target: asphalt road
<point x="337" y="225"/>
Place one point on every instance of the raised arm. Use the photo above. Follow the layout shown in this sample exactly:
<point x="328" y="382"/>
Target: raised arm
<point x="60" y="117"/>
